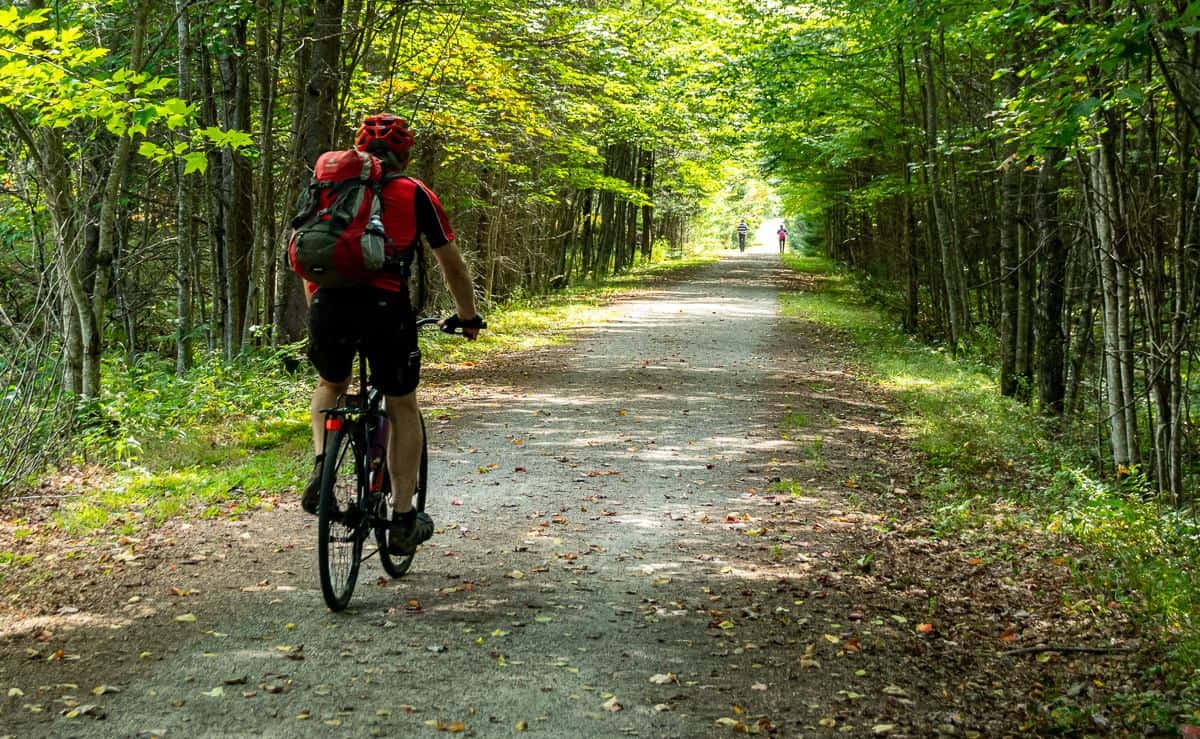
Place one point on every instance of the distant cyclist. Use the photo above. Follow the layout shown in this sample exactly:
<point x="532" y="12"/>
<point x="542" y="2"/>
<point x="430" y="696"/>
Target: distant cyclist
<point x="380" y="314"/>
<point x="742" y="230"/>
<point x="782" y="237"/>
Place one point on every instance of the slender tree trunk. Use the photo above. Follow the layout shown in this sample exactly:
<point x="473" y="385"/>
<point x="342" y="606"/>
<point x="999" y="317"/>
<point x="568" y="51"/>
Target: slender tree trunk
<point x="184" y="227"/>
<point x="1102" y="214"/>
<point x="912" y="307"/>
<point x="648" y="209"/>
<point x="1010" y="261"/>
<point x="951" y="274"/>
<point x="1052" y="251"/>
<point x="237" y="188"/>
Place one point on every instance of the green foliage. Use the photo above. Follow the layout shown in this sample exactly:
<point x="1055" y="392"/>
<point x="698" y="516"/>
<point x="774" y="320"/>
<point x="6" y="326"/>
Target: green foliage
<point x="59" y="78"/>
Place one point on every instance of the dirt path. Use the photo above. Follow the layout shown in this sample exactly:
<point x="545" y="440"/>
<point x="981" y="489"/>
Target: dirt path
<point x="612" y="559"/>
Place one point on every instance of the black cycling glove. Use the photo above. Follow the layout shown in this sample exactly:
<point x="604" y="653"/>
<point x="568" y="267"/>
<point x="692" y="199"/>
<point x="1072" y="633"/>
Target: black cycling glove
<point x="454" y="324"/>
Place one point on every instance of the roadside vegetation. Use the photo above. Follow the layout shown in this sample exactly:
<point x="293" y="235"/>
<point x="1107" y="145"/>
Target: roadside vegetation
<point x="992" y="467"/>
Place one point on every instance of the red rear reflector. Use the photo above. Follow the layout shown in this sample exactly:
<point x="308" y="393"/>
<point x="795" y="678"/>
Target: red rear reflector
<point x="333" y="424"/>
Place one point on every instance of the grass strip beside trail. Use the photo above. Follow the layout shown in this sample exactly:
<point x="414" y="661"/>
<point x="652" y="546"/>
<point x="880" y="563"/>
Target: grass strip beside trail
<point x="992" y="466"/>
<point x="227" y="437"/>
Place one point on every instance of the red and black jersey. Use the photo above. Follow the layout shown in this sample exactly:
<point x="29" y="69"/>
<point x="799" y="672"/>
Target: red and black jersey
<point x="410" y="211"/>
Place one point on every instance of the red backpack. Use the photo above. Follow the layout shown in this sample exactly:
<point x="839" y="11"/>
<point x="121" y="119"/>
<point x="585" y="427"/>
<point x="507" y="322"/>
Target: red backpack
<point x="337" y="236"/>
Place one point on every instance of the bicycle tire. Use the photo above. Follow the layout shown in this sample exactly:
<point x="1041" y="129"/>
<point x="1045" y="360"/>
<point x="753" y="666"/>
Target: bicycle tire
<point x="397" y="566"/>
<point x="339" y="525"/>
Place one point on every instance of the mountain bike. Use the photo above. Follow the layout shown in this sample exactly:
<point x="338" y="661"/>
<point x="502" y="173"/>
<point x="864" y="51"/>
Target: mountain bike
<point x="356" y="490"/>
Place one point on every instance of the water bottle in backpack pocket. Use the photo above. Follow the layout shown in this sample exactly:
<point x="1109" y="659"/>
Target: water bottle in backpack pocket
<point x="338" y="239"/>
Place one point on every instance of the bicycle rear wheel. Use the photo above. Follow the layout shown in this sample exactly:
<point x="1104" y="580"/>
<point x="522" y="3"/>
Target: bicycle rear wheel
<point x="340" y="540"/>
<point x="397" y="565"/>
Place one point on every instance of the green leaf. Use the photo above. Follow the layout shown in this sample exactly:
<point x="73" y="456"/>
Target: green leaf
<point x="195" y="162"/>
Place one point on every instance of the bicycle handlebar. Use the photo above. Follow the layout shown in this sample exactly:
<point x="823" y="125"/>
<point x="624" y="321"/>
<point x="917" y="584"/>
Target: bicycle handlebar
<point x="452" y="327"/>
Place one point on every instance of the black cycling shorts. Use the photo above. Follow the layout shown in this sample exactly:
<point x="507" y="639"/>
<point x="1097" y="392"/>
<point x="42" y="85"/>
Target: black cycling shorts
<point x="338" y="317"/>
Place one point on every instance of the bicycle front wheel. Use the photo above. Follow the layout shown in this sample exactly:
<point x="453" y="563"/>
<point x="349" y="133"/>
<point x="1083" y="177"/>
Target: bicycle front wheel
<point x="340" y="541"/>
<point x="396" y="565"/>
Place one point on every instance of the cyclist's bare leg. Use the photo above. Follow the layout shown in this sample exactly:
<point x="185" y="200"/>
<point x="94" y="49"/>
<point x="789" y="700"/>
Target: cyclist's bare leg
<point x="404" y="448"/>
<point x="324" y="396"/>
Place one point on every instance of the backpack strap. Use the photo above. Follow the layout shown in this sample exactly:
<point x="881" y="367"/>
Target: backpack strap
<point x="418" y="248"/>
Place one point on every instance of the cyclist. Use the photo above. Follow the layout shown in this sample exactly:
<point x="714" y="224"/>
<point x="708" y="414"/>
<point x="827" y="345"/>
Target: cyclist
<point x="742" y="229"/>
<point x="380" y="314"/>
<point x="782" y="236"/>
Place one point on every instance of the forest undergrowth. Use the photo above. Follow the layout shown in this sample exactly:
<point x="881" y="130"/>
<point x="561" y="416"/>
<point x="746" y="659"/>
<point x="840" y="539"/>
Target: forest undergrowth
<point x="992" y="467"/>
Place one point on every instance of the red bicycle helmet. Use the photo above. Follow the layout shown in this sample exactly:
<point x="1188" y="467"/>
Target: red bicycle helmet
<point x="389" y="129"/>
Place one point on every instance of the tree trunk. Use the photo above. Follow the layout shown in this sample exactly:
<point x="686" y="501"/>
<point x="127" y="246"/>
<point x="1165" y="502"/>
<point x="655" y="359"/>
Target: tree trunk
<point x="1102" y="213"/>
<point x="1010" y="263"/>
<point x="951" y="272"/>
<point x="1052" y="254"/>
<point x="184" y="195"/>
<point x="237" y="187"/>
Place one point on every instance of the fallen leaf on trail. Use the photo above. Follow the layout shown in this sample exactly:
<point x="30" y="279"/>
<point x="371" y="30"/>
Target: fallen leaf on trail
<point x="15" y="692"/>
<point x="832" y="639"/>
<point x="216" y="692"/>
<point x="1009" y="635"/>
<point x="521" y="726"/>
<point x="726" y="625"/>
<point x="881" y="729"/>
<point x="662" y="707"/>
<point x="520" y="469"/>
<point x="828" y="723"/>
<point x="924" y="628"/>
<point x="456" y="501"/>
<point x="758" y="686"/>
<point x="662" y="679"/>
<point x="611" y="705"/>
<point x="730" y="723"/>
<point x="895" y="690"/>
<point x="738" y="710"/>
<point x="84" y="710"/>
<point x="186" y="618"/>
<point x="103" y="689"/>
<point x="515" y="575"/>
<point x="852" y="645"/>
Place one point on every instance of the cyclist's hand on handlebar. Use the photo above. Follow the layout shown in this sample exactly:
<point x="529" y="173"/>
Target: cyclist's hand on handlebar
<point x="469" y="328"/>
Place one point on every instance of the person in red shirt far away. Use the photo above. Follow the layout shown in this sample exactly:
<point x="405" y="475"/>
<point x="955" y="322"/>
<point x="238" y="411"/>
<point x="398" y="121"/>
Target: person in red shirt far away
<point x="782" y="237"/>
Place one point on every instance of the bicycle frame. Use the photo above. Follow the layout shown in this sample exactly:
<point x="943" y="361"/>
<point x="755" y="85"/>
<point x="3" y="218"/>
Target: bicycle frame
<point x="358" y="426"/>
